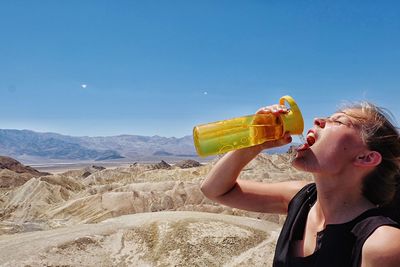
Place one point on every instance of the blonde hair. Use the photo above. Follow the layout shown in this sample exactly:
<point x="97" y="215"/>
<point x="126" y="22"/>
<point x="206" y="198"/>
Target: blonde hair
<point x="379" y="134"/>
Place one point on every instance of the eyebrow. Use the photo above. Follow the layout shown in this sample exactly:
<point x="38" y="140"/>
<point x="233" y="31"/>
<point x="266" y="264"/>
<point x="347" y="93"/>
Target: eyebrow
<point x="342" y="115"/>
<point x="337" y="116"/>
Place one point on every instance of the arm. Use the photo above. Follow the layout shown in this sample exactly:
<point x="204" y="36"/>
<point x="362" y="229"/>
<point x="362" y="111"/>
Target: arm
<point x="382" y="248"/>
<point x="221" y="184"/>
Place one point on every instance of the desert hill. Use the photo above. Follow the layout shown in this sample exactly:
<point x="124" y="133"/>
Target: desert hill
<point x="14" y="174"/>
<point x="94" y="195"/>
<point x="15" y="166"/>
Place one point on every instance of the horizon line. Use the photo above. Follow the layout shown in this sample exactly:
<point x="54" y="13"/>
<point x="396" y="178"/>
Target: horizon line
<point x="93" y="136"/>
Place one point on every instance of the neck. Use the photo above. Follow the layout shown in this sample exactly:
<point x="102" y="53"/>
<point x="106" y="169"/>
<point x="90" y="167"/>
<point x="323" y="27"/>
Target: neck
<point x="338" y="202"/>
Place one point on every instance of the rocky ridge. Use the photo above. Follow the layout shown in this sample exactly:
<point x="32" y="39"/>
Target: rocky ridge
<point x="14" y="174"/>
<point x="94" y="195"/>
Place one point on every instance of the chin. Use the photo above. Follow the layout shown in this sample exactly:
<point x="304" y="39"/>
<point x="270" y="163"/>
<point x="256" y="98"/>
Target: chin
<point x="302" y="164"/>
<point x="298" y="164"/>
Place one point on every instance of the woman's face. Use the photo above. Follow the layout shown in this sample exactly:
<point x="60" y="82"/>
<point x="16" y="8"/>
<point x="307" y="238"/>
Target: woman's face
<point x="333" y="144"/>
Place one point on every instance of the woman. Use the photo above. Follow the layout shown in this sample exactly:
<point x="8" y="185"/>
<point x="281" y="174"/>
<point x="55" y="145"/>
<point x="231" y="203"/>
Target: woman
<point x="341" y="218"/>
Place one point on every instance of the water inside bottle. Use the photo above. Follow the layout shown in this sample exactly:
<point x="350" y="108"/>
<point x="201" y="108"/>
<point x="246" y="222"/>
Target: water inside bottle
<point x="223" y="136"/>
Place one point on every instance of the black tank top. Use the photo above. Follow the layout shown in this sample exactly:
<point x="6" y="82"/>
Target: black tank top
<point x="338" y="245"/>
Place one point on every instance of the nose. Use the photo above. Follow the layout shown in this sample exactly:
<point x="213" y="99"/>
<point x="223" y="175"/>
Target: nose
<point x="320" y="122"/>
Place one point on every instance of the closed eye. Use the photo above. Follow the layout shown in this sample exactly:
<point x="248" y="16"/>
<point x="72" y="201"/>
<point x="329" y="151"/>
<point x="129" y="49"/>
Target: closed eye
<point x="337" y="122"/>
<point x="340" y="120"/>
<point x="334" y="120"/>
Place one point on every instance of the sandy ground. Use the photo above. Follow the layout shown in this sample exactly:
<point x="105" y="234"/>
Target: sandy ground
<point x="147" y="239"/>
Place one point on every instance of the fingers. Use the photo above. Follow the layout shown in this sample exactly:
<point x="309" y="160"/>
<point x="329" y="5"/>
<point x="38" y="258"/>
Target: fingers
<point x="274" y="109"/>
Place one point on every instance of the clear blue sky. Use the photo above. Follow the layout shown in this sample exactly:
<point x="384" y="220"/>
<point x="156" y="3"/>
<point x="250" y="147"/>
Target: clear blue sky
<point x="160" y="67"/>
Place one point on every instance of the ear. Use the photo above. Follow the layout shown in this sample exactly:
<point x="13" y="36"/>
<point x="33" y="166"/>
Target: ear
<point x="368" y="159"/>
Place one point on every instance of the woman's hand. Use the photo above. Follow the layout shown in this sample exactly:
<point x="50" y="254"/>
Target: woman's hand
<point x="275" y="110"/>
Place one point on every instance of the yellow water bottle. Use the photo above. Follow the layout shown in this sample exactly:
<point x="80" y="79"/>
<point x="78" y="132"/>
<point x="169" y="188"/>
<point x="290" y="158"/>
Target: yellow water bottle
<point x="223" y="136"/>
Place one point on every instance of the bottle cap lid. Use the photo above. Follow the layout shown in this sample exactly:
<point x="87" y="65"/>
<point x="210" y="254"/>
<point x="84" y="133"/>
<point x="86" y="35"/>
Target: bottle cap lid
<point x="293" y="120"/>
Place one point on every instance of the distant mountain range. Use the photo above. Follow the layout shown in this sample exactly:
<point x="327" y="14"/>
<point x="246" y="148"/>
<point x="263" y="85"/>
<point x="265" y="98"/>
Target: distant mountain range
<point x="32" y="146"/>
<point x="26" y="144"/>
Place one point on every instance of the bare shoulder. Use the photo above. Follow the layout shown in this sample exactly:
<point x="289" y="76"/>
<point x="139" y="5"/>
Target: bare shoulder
<point x="382" y="248"/>
<point x="292" y="188"/>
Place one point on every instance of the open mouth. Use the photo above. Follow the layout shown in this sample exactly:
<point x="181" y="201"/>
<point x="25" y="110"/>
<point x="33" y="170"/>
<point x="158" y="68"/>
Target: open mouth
<point x="310" y="140"/>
